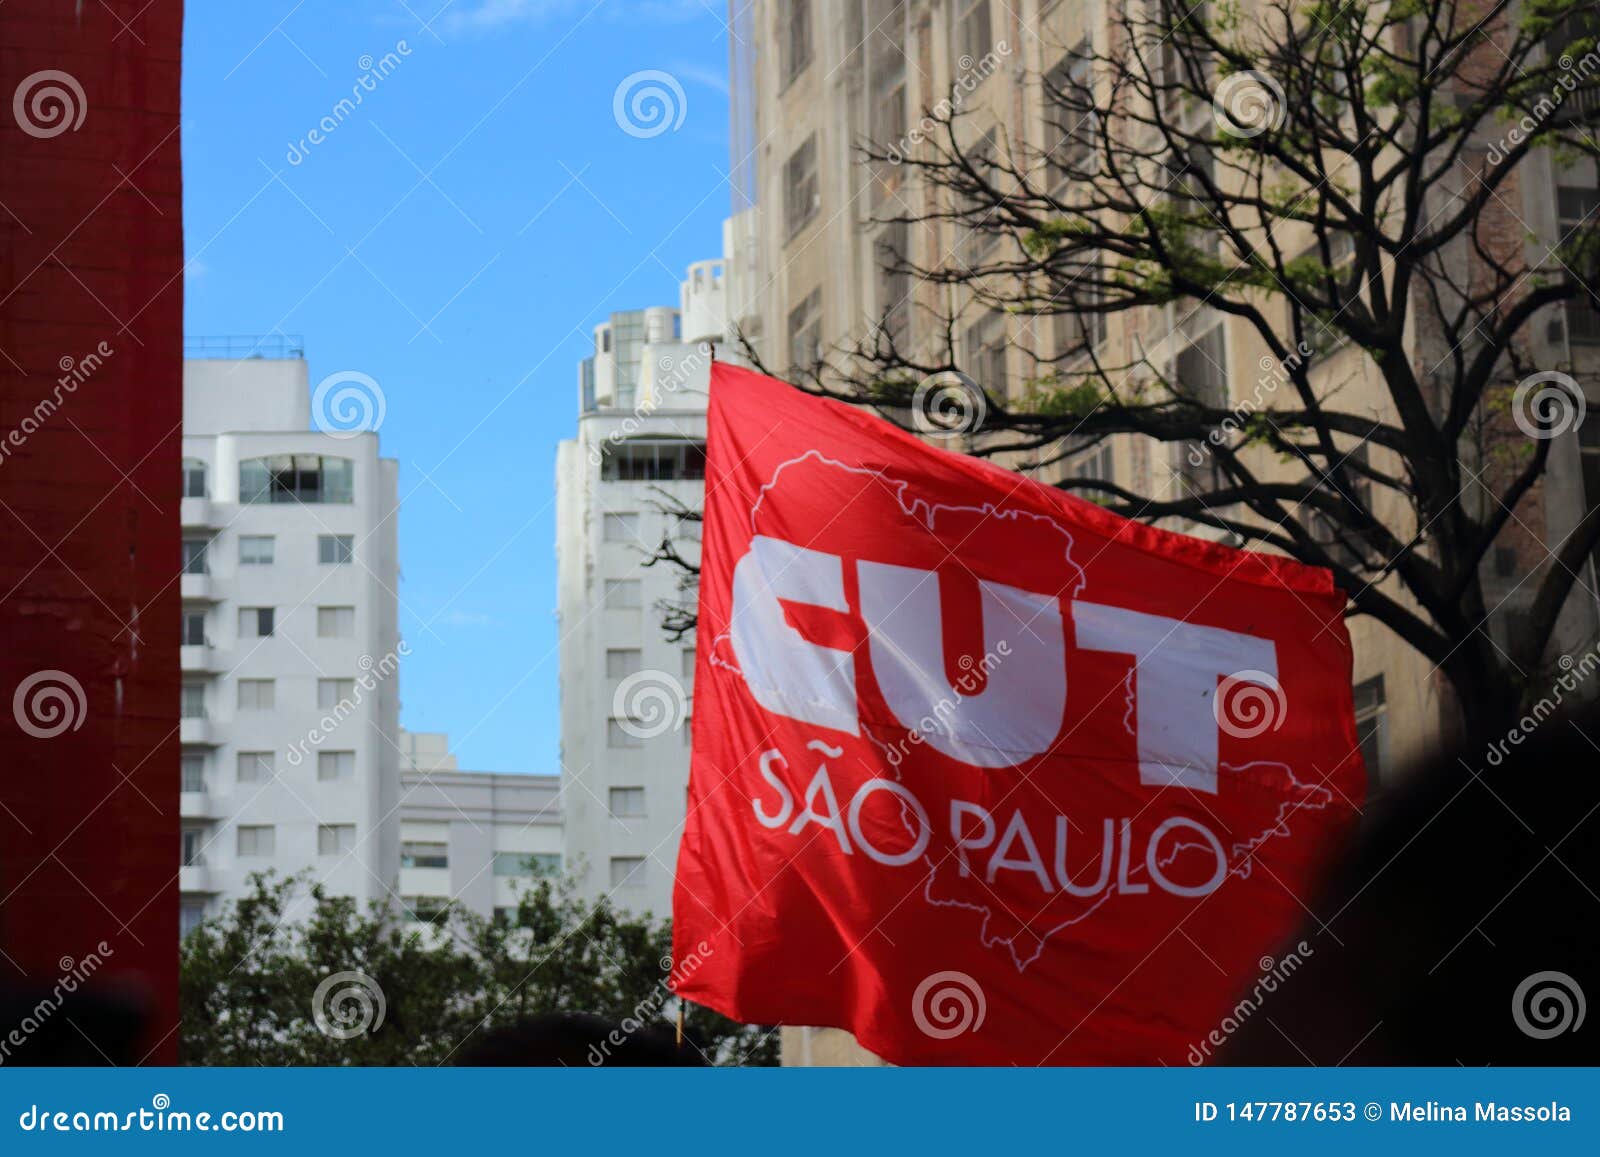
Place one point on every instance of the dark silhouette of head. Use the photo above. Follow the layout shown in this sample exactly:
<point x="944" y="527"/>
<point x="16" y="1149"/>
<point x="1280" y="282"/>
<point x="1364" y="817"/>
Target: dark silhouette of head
<point x="579" y="1040"/>
<point x="1464" y="928"/>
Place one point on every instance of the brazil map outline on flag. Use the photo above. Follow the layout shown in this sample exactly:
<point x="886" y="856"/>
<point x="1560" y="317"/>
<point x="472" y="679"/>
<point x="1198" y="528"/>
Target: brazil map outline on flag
<point x="926" y="747"/>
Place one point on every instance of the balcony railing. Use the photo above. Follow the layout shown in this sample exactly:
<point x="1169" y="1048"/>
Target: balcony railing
<point x="237" y="347"/>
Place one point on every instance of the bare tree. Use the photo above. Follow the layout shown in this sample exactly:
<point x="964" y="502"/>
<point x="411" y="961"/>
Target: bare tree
<point x="1335" y="178"/>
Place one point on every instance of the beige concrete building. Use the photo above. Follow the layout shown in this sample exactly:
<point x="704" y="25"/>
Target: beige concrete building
<point x="814" y="79"/>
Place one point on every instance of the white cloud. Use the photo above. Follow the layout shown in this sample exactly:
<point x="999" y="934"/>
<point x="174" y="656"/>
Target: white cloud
<point x="710" y="78"/>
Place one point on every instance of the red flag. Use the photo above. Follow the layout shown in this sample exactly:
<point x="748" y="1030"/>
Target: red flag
<point x="982" y="772"/>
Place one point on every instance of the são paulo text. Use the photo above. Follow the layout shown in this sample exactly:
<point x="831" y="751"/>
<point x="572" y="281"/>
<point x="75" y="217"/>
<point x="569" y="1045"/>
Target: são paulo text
<point x="1011" y="846"/>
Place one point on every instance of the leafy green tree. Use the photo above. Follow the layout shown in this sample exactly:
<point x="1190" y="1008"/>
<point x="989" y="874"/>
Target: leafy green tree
<point x="289" y="975"/>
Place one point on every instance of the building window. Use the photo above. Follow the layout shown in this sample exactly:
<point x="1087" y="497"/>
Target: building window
<point x="623" y="733"/>
<point x="426" y="909"/>
<point x="336" y="622"/>
<point x="194" y="555"/>
<point x="1094" y="460"/>
<point x="194" y="847"/>
<point x="255" y="550"/>
<point x="1069" y="128"/>
<point x="332" y="692"/>
<point x="256" y="695"/>
<point x="527" y="864"/>
<point x="1372" y="728"/>
<point x="190" y="915"/>
<point x="1576" y="207"/>
<point x="973" y="37"/>
<point x="257" y="840"/>
<point x="805" y="332"/>
<point x="296" y="478"/>
<point x="1079" y="325"/>
<point x="627" y="801"/>
<point x="336" y="549"/>
<point x="623" y="594"/>
<point x="255" y="766"/>
<point x="194" y="628"/>
<point x="686" y="663"/>
<point x="193" y="703"/>
<point x="623" y="661"/>
<point x="986" y="354"/>
<point x="800" y="197"/>
<point x="335" y="839"/>
<point x="886" y="68"/>
<point x="255" y="622"/>
<point x="336" y="765"/>
<point x="418" y="854"/>
<point x="1171" y="79"/>
<point x="194" y="478"/>
<point x="686" y="529"/>
<point x="795" y="25"/>
<point x="1200" y="376"/>
<point x="627" y="871"/>
<point x="894" y="280"/>
<point x="656" y="460"/>
<point x="193" y="766"/>
<point x="586" y="383"/>
<point x="620" y="527"/>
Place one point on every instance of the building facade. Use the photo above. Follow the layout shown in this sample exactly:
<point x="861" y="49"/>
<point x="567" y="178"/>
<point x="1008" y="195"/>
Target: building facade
<point x="290" y="646"/>
<point x="814" y="79"/>
<point x="471" y="839"/>
<point x="91" y="331"/>
<point x="637" y="464"/>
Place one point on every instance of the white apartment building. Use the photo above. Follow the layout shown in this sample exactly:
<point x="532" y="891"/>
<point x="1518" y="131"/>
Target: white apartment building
<point x="472" y="839"/>
<point x="625" y="685"/>
<point x="291" y="647"/>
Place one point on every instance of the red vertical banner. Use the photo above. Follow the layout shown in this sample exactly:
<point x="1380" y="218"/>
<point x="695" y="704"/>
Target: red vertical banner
<point x="982" y="772"/>
<point x="91" y="294"/>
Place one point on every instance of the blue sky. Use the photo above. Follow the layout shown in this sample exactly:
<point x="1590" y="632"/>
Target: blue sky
<point x="456" y="237"/>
